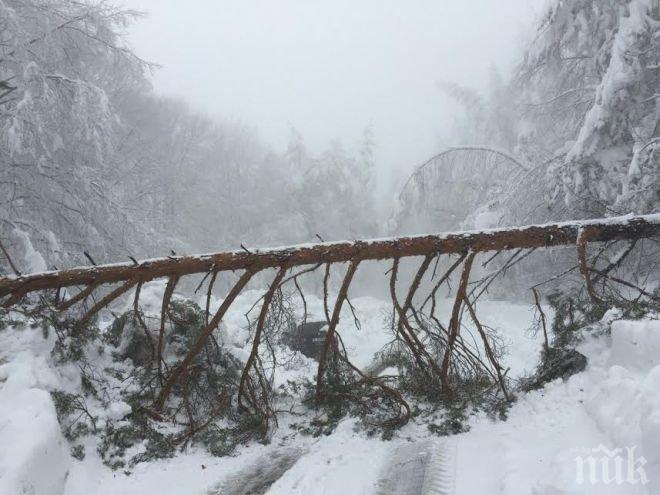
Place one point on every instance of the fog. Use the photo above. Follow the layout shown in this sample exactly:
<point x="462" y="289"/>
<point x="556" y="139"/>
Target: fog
<point x="330" y="69"/>
<point x="206" y="125"/>
<point x="305" y="246"/>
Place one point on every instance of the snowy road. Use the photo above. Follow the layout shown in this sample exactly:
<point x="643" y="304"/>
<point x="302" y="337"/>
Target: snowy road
<point x="412" y="468"/>
<point x="420" y="468"/>
<point x="613" y="404"/>
<point x="259" y="476"/>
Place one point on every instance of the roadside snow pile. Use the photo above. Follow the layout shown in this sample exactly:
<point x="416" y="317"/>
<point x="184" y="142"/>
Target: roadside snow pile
<point x="626" y="400"/>
<point x="34" y="456"/>
<point x="635" y="344"/>
<point x="614" y="404"/>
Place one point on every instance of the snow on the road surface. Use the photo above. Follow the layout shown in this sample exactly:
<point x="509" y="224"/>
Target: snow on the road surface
<point x="615" y="403"/>
<point x="424" y="467"/>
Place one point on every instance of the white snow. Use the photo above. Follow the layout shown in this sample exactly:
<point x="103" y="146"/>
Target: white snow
<point x="615" y="403"/>
<point x="33" y="261"/>
<point x="118" y="410"/>
<point x="337" y="464"/>
<point x="635" y="344"/>
<point x="618" y="77"/>
<point x="486" y="217"/>
<point x="34" y="456"/>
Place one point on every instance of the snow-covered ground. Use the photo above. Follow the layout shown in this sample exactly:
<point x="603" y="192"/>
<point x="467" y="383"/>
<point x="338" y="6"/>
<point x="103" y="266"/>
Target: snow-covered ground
<point x="615" y="403"/>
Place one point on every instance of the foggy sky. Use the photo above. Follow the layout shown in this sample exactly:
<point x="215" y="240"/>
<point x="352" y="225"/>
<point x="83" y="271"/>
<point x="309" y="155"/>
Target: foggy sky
<point x="331" y="68"/>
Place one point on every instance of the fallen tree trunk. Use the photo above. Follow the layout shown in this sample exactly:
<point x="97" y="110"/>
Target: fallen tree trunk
<point x="534" y="236"/>
<point x="443" y="364"/>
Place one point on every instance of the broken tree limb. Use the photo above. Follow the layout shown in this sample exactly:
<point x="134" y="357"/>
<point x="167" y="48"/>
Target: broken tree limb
<point x="537" y="301"/>
<point x="125" y="287"/>
<point x="198" y="345"/>
<point x="490" y="354"/>
<point x="404" y="328"/>
<point x="584" y="268"/>
<point x="209" y="291"/>
<point x="455" y="323"/>
<point x="245" y="389"/>
<point x="83" y="294"/>
<point x="534" y="236"/>
<point x="332" y="326"/>
<point x="431" y="296"/>
<point x="627" y="284"/>
<point x="167" y="296"/>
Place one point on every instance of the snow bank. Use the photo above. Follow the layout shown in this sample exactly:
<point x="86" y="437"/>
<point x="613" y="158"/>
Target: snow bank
<point x="636" y="344"/>
<point x="626" y="398"/>
<point x="34" y="456"/>
<point x="614" y="403"/>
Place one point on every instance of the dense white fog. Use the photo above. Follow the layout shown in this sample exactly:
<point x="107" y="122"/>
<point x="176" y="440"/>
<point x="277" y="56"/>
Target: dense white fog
<point x="254" y="247"/>
<point x="331" y="69"/>
<point x="221" y="123"/>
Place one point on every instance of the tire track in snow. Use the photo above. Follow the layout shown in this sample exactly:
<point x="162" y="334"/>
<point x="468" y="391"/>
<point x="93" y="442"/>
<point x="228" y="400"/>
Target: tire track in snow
<point x="440" y="473"/>
<point x="257" y="478"/>
<point x="420" y="468"/>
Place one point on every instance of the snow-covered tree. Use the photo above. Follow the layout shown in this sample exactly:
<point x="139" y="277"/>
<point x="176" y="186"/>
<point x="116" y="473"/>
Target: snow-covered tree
<point x="581" y="112"/>
<point x="334" y="190"/>
<point x="589" y="84"/>
<point x="63" y="62"/>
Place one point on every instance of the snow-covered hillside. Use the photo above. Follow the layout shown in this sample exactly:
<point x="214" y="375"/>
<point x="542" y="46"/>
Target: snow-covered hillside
<point x="615" y="403"/>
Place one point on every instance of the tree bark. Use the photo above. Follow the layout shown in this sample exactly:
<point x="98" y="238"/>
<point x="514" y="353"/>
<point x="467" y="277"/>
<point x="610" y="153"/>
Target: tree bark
<point x="534" y="236"/>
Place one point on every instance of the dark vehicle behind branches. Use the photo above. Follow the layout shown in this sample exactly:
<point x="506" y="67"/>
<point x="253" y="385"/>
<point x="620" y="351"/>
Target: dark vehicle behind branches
<point x="307" y="337"/>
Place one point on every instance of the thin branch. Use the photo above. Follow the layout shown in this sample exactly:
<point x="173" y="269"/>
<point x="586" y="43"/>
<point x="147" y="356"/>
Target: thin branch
<point x="9" y="260"/>
<point x="454" y="323"/>
<point x="584" y="269"/>
<point x="330" y="333"/>
<point x="125" y="287"/>
<point x="542" y="316"/>
<point x="198" y="345"/>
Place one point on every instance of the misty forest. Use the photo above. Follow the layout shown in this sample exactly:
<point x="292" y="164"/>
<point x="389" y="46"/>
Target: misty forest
<point x="189" y="305"/>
